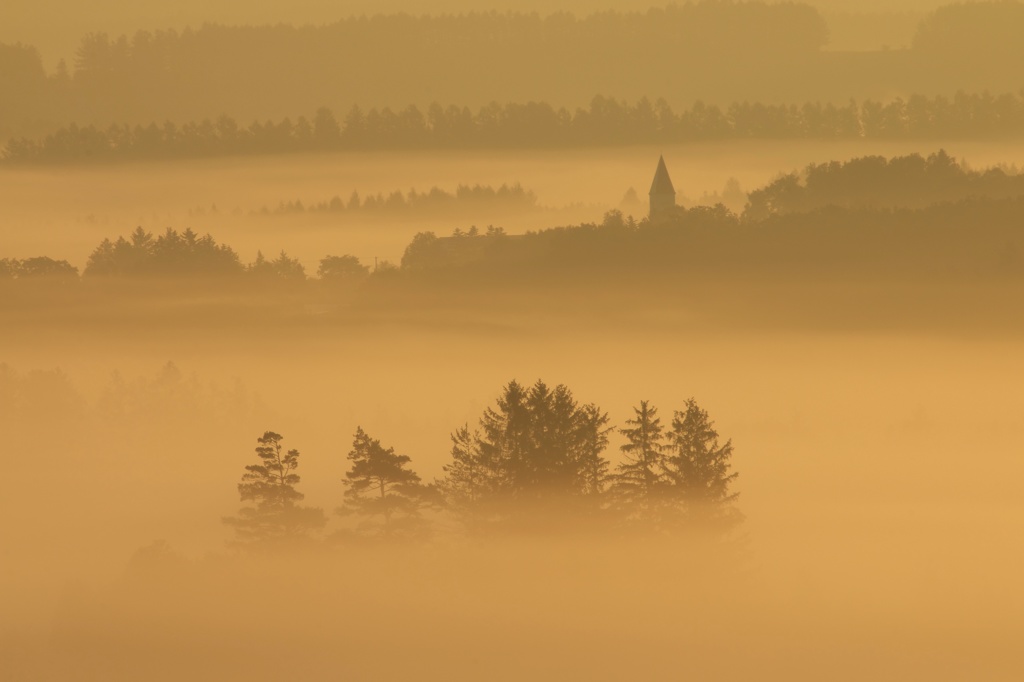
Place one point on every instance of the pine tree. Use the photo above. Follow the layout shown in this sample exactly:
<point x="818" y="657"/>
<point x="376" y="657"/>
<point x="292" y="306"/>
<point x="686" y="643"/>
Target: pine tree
<point x="698" y="469"/>
<point x="381" y="488"/>
<point x="504" y="444"/>
<point x="275" y="517"/>
<point x="639" y="481"/>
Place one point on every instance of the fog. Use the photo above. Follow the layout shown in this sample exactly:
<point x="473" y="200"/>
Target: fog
<point x="487" y="391"/>
<point x="879" y="476"/>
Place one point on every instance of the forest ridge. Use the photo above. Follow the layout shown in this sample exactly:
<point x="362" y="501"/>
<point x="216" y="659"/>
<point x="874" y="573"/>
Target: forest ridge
<point x="709" y="51"/>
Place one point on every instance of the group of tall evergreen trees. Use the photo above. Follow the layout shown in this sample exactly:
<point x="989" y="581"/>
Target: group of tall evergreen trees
<point x="535" y="461"/>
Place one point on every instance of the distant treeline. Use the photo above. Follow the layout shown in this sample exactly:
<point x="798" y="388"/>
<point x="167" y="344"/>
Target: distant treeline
<point x="868" y="215"/>
<point x="607" y="121"/>
<point x="181" y="255"/>
<point x="718" y="52"/>
<point x="973" y="238"/>
<point x="273" y="71"/>
<point x="911" y="215"/>
<point x="435" y="200"/>
<point x="188" y="254"/>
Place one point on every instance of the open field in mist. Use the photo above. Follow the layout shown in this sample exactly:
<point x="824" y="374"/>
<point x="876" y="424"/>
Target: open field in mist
<point x="64" y="212"/>
<point x="879" y="474"/>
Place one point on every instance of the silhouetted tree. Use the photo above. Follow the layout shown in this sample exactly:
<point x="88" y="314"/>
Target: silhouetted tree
<point x="639" y="482"/>
<point x="382" y="488"/>
<point x="698" y="469"/>
<point x="275" y="518"/>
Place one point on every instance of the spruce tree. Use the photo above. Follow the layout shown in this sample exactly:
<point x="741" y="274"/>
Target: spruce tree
<point x="698" y="469"/>
<point x="275" y="516"/>
<point x="383" y="490"/>
<point x="592" y="440"/>
<point x="639" y="481"/>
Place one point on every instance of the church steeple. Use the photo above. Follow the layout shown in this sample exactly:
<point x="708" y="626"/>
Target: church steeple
<point x="663" y="194"/>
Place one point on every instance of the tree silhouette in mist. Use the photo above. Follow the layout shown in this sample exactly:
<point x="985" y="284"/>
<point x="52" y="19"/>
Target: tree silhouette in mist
<point x="536" y="448"/>
<point x="40" y="269"/>
<point x="275" y="516"/>
<point x="171" y="253"/>
<point x="639" y="482"/>
<point x="381" y="488"/>
<point x="698" y="470"/>
<point x="341" y="270"/>
<point x="283" y="269"/>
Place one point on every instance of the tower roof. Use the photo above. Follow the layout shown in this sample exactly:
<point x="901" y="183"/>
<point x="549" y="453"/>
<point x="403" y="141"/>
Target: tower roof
<point x="662" y="182"/>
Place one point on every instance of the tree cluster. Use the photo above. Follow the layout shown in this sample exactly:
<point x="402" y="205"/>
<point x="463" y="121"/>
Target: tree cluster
<point x="607" y="121"/>
<point x="873" y="181"/>
<point x="185" y="254"/>
<point x="36" y="269"/>
<point x="536" y="461"/>
<point x="168" y="254"/>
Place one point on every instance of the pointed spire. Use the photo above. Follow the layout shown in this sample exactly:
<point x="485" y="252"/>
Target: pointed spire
<point x="662" y="182"/>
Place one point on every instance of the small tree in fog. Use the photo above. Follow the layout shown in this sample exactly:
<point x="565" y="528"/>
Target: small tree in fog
<point x="381" y="488"/>
<point x="698" y="469"/>
<point x="275" y="515"/>
<point x="470" y="480"/>
<point x="639" y="481"/>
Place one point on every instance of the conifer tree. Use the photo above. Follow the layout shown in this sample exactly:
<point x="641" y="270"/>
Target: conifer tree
<point x="275" y="516"/>
<point x="536" y="445"/>
<point x="698" y="469"/>
<point x="469" y="482"/>
<point x="592" y="441"/>
<point x="639" y="481"/>
<point x="381" y="488"/>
